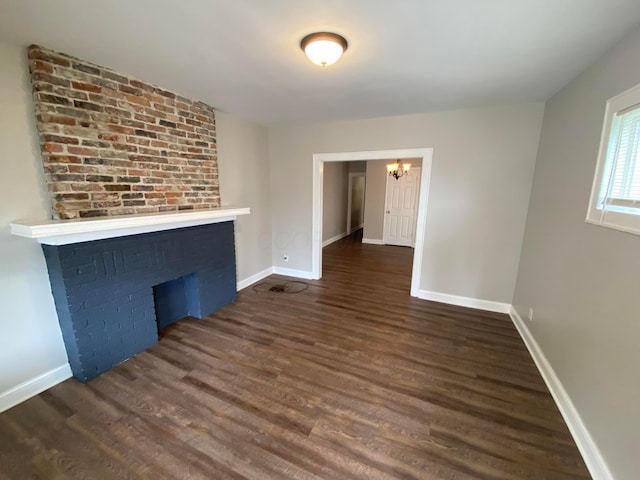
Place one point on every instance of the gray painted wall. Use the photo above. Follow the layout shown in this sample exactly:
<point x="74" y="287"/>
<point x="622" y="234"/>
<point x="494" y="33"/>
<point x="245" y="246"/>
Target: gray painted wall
<point x="358" y="190"/>
<point x="582" y="280"/>
<point x="244" y="181"/>
<point x="335" y="195"/>
<point x="357" y="167"/>
<point x="30" y="343"/>
<point x="374" y="199"/>
<point x="481" y="179"/>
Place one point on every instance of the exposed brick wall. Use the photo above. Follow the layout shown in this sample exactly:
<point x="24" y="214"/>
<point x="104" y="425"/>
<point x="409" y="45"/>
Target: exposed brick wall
<point x="113" y="145"/>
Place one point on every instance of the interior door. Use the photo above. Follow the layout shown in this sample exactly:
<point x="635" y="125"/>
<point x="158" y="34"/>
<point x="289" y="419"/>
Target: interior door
<point x="401" y="208"/>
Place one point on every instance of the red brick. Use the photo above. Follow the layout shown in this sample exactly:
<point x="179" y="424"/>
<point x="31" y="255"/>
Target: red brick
<point x="117" y="188"/>
<point x="144" y="118"/>
<point x="109" y="137"/>
<point x="35" y="53"/>
<point x="84" y="168"/>
<point x="133" y="124"/>
<point x="114" y="76"/>
<point x="57" y="119"/>
<point x="153" y="97"/>
<point x="187" y="128"/>
<point x="52" y="147"/>
<point x="72" y="196"/>
<point x="51" y="79"/>
<point x="105" y="196"/>
<point x="138" y="100"/>
<point x="119" y="129"/>
<point x="139" y="141"/>
<point x="75" y="205"/>
<point x="164" y="108"/>
<point x="124" y="147"/>
<point x="154" y="195"/>
<point x="141" y="85"/>
<point x="64" y="159"/>
<point x="40" y="66"/>
<point x="166" y="94"/>
<point x="87" y="87"/>
<point x="87" y="187"/>
<point x="156" y="128"/>
<point x="107" y="204"/>
<point x="129" y="89"/>
<point x="135" y="107"/>
<point x="60" y="139"/>
<point x="87" y="152"/>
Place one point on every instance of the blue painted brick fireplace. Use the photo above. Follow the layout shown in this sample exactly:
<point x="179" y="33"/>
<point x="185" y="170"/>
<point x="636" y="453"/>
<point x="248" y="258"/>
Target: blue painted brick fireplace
<point x="104" y="289"/>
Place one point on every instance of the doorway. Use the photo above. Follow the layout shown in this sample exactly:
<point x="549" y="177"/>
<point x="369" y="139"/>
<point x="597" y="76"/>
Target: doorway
<point x="319" y="160"/>
<point x="355" y="202"/>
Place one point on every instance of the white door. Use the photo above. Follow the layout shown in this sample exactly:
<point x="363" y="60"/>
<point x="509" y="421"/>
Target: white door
<point x="401" y="208"/>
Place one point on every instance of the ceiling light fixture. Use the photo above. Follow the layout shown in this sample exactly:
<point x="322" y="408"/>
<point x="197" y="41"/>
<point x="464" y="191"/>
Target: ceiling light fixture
<point x="324" y="48"/>
<point x="398" y="169"/>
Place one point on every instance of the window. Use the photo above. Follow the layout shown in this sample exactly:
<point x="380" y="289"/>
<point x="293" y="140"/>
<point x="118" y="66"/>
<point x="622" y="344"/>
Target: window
<point x="615" y="196"/>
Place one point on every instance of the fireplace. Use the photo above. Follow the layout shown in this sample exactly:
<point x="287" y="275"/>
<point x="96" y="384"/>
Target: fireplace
<point x="114" y="290"/>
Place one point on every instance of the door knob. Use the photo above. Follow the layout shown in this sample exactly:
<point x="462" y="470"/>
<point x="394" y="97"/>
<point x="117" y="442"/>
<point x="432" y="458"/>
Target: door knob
<point x="388" y="211"/>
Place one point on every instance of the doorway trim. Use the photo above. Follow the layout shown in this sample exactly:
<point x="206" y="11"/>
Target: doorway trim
<point x="352" y="175"/>
<point x="318" y="176"/>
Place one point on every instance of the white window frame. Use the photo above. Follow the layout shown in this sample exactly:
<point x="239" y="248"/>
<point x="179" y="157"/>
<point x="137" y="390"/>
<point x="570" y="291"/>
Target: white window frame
<point x="618" y="220"/>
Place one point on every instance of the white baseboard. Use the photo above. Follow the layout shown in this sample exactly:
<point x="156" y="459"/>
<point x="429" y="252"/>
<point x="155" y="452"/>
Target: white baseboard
<point x="478" y="303"/>
<point x="355" y="229"/>
<point x="334" y="239"/>
<point x="33" y="387"/>
<point x="372" y="241"/>
<point x="288" y="272"/>
<point x="254" y="278"/>
<point x="590" y="452"/>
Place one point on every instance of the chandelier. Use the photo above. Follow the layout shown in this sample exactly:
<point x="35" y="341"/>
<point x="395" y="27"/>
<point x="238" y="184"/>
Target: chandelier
<point x="398" y="169"/>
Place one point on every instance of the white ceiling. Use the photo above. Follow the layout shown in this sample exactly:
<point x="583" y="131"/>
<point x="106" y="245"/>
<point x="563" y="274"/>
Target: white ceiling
<point x="404" y="56"/>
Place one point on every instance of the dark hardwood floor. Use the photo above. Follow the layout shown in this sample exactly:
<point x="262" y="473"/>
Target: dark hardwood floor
<point x="343" y="378"/>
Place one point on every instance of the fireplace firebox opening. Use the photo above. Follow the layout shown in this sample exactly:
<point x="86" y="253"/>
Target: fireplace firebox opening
<point x="176" y="299"/>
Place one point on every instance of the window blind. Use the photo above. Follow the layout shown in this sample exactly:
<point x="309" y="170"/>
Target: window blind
<point x="620" y="190"/>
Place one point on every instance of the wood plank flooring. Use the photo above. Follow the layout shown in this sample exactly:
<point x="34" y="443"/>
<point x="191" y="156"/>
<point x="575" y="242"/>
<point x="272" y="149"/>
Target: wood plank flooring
<point x="349" y="378"/>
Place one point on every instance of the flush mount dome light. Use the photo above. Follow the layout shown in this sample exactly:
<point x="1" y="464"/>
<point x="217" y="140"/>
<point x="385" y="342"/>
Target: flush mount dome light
<point x="323" y="48"/>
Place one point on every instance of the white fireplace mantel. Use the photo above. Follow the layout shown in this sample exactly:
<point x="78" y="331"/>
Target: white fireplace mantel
<point x="63" y="232"/>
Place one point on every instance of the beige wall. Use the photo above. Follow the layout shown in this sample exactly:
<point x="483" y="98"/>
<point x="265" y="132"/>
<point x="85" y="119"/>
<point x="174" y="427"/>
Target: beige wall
<point x="582" y="280"/>
<point x="358" y="184"/>
<point x="357" y="167"/>
<point x="244" y="181"/>
<point x="375" y="196"/>
<point x="335" y="192"/>
<point x="481" y="177"/>
<point x="374" y="199"/>
<point x="30" y="339"/>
